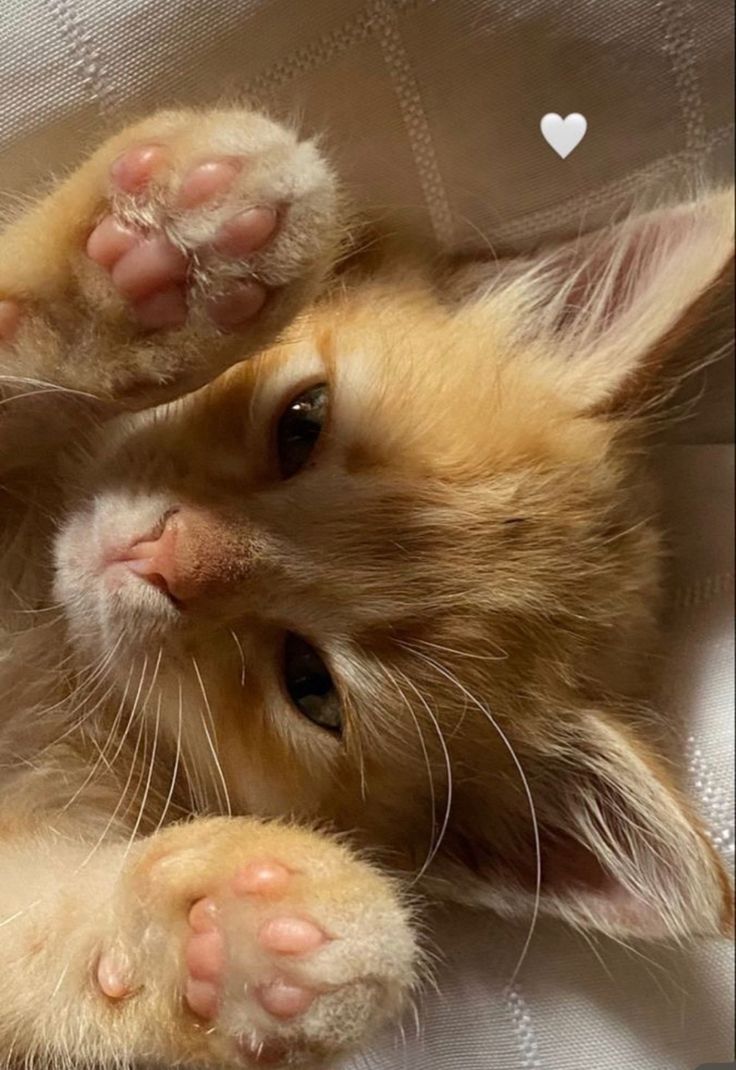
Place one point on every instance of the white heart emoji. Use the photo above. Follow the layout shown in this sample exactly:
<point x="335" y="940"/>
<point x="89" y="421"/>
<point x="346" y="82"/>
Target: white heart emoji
<point x="563" y="135"/>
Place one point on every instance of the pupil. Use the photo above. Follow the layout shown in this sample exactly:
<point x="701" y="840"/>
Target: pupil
<point x="300" y="427"/>
<point x="312" y="684"/>
<point x="309" y="684"/>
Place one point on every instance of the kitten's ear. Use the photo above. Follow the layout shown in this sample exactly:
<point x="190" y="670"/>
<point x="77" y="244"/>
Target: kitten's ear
<point x="610" y="307"/>
<point x="621" y="850"/>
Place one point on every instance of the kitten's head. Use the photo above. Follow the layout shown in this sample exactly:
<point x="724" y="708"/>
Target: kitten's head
<point x="400" y="573"/>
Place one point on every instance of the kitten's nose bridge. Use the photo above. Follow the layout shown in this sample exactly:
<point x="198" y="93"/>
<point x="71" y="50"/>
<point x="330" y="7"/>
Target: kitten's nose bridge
<point x="190" y="553"/>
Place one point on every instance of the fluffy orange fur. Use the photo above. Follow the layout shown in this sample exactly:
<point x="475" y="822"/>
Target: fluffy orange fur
<point x="473" y="549"/>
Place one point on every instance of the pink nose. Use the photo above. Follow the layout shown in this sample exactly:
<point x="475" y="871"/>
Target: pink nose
<point x="156" y="559"/>
<point x="194" y="553"/>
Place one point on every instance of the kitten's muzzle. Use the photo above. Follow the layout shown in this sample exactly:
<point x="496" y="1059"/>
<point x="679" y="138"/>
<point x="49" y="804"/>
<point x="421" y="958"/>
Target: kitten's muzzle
<point x="187" y="556"/>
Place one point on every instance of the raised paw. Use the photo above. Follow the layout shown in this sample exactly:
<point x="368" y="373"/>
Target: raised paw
<point x="184" y="245"/>
<point x="289" y="955"/>
<point x="168" y="235"/>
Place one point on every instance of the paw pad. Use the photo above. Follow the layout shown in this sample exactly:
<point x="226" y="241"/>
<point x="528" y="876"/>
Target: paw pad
<point x="151" y="264"/>
<point x="154" y="273"/>
<point x="114" y="975"/>
<point x="290" y="936"/>
<point x="261" y="878"/>
<point x="246" y="233"/>
<point x="134" y="170"/>
<point x="284" y="1000"/>
<point x="207" y="182"/>
<point x="220" y="929"/>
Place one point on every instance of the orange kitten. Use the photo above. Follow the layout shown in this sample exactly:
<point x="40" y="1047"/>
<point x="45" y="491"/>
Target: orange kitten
<point x="397" y="577"/>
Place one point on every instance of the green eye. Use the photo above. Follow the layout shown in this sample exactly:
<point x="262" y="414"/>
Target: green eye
<point x="299" y="428"/>
<point x="309" y="685"/>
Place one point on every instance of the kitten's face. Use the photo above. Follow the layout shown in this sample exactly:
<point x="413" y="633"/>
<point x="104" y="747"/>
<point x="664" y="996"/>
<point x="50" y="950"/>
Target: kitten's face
<point x="382" y="575"/>
<point x="432" y="544"/>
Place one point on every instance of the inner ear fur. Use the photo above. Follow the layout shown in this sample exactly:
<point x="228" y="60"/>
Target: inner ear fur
<point x="610" y="312"/>
<point x="694" y="341"/>
<point x="622" y="850"/>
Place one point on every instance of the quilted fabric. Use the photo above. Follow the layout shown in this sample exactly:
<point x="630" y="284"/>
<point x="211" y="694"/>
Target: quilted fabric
<point x="432" y="110"/>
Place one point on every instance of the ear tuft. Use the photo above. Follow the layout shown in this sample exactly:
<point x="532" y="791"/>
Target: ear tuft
<point x="609" y="305"/>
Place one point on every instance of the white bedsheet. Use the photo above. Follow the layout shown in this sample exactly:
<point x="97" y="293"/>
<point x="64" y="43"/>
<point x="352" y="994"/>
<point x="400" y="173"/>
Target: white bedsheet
<point x="433" y="108"/>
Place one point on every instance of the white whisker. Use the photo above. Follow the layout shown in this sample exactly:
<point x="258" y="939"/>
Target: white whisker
<point x="430" y="776"/>
<point x="448" y="769"/>
<point x="151" y="770"/>
<point x="527" y="790"/>
<point x="239" y="645"/>
<point x="177" y="759"/>
<point x="114" y="816"/>
<point x="102" y="754"/>
<point x="44" y="387"/>
<point x="213" y="741"/>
